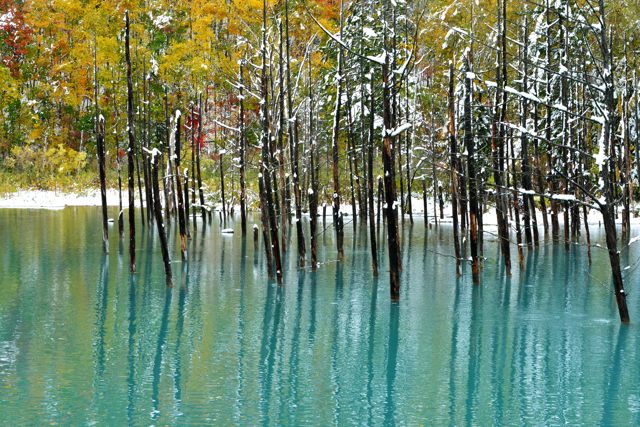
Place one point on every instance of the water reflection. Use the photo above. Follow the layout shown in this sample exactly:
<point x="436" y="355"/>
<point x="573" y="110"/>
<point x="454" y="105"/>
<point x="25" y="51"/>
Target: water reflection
<point x="157" y="361"/>
<point x="131" y="354"/>
<point x="392" y="363"/>
<point x="228" y="347"/>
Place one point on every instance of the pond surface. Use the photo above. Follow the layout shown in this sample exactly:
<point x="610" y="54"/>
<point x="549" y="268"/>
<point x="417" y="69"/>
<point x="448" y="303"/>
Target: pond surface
<point x="83" y="342"/>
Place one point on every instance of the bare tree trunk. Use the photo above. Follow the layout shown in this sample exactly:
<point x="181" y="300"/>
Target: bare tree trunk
<point x="198" y="170"/>
<point x="313" y="192"/>
<point x="146" y="138"/>
<point x="606" y="171"/>
<point x="118" y="165"/>
<point x="337" y="216"/>
<point x="516" y="204"/>
<point x="471" y="173"/>
<point x="555" y="227"/>
<point x="103" y="184"/>
<point x="186" y="201"/>
<point x="453" y="151"/>
<point x="351" y="158"/>
<point x="99" y="123"/>
<point x="243" y="147"/>
<point x="293" y="149"/>
<point x="285" y="209"/>
<point x="265" y="172"/>
<point x="372" y="219"/>
<point x="130" y="151"/>
<point x="391" y="211"/>
<point x="193" y="165"/>
<point x="527" y="198"/>
<point x="498" y="145"/>
<point x="157" y="207"/>
<point x="181" y="208"/>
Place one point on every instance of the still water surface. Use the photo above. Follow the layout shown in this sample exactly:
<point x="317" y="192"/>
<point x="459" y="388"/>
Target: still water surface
<point x="83" y="342"/>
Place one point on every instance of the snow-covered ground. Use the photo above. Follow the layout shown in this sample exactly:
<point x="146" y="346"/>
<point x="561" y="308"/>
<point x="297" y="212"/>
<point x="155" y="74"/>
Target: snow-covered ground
<point x="41" y="199"/>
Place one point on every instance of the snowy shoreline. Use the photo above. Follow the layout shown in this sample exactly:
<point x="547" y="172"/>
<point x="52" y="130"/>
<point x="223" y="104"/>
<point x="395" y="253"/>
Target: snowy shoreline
<point x="49" y="199"/>
<point x="56" y="200"/>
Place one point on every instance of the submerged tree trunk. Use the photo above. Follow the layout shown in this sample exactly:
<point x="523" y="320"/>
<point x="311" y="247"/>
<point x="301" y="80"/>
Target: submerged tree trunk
<point x="157" y="208"/>
<point x="103" y="184"/>
<point x="606" y="172"/>
<point x="176" y="173"/>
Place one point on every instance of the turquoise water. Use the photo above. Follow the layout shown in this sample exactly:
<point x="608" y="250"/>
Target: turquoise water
<point x="82" y="342"/>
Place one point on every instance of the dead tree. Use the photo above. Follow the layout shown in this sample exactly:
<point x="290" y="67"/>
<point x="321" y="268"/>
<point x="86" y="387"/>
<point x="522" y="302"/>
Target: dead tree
<point x="99" y="121"/>
<point x="337" y="216"/>
<point x="243" y="143"/>
<point x="176" y="173"/>
<point x="471" y="173"/>
<point x="157" y="208"/>
<point x="130" y="151"/>
<point x="265" y="165"/>
<point x="453" y="151"/>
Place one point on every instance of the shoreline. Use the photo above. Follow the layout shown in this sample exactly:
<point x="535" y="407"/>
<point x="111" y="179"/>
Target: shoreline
<point x="57" y="200"/>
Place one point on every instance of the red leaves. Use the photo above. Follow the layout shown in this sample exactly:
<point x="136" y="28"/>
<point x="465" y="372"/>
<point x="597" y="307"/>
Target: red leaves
<point x="15" y="35"/>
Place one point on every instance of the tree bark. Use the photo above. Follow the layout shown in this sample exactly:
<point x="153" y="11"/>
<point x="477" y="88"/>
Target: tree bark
<point x="453" y="167"/>
<point x="293" y="148"/>
<point x="130" y="151"/>
<point x="157" y="208"/>
<point x="471" y="173"/>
